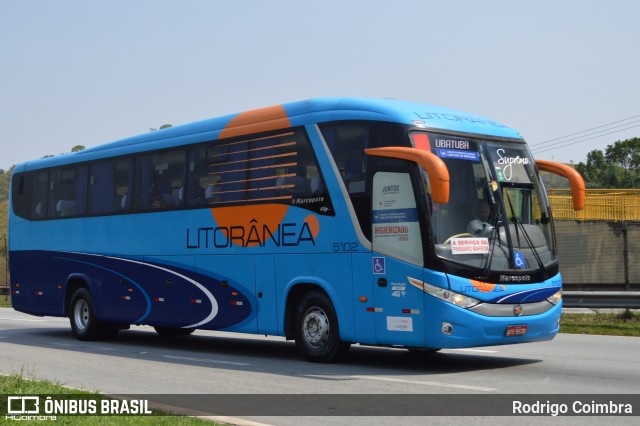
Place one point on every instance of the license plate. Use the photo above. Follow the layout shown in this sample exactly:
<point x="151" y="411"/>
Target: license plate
<point x="516" y="330"/>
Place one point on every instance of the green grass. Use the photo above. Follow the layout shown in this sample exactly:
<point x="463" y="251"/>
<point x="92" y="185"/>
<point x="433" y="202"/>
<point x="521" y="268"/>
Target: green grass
<point x="22" y="384"/>
<point x="613" y="324"/>
<point x="5" y="302"/>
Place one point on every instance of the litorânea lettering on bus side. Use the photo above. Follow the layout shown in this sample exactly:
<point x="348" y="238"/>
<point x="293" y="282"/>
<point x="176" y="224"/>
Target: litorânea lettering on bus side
<point x="255" y="234"/>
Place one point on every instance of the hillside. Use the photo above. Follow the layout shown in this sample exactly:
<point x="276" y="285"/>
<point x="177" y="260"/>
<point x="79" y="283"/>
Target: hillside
<point x="552" y="181"/>
<point x="4" y="207"/>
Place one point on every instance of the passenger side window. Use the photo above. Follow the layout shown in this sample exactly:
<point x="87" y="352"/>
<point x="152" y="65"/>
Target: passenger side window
<point x="40" y="191"/>
<point x="160" y="181"/>
<point x="347" y="142"/>
<point x="109" y="186"/>
<point x="67" y="191"/>
<point x="274" y="168"/>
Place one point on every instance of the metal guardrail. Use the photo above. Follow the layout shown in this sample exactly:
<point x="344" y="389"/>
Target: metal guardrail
<point x="600" y="204"/>
<point x="601" y="299"/>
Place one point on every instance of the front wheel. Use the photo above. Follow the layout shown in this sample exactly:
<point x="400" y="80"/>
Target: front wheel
<point x="84" y="324"/>
<point x="316" y="332"/>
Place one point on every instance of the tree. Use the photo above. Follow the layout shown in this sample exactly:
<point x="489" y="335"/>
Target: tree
<point x="625" y="153"/>
<point x="5" y="177"/>
<point x="593" y="172"/>
<point x="77" y="148"/>
<point x="617" y="167"/>
<point x="164" y="126"/>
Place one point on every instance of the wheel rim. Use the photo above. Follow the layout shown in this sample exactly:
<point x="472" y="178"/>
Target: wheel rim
<point x="81" y="314"/>
<point x="315" y="327"/>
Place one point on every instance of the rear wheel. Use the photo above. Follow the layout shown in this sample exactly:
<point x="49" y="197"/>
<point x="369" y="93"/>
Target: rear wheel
<point x="174" y="331"/>
<point x="316" y="329"/>
<point x="84" y="324"/>
<point x="423" y="350"/>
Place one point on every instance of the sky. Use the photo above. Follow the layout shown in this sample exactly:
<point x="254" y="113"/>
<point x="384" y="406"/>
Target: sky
<point x="84" y="72"/>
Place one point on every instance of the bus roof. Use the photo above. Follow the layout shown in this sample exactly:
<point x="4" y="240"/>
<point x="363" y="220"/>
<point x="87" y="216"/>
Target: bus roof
<point x="293" y="114"/>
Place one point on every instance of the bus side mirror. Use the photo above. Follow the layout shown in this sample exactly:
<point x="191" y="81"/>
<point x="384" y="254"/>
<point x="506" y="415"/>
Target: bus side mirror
<point x="575" y="180"/>
<point x="433" y="165"/>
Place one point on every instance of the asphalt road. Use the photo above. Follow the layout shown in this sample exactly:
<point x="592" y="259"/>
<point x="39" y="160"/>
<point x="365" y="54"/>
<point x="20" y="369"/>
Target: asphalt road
<point x="140" y="362"/>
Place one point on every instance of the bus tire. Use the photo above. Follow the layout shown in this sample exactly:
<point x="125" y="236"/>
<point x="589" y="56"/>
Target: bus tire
<point x="84" y="324"/>
<point x="316" y="329"/>
<point x="173" y="331"/>
<point x="423" y="350"/>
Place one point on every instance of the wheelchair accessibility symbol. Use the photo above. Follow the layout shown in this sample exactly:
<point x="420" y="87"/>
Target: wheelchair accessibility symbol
<point x="519" y="260"/>
<point x="379" y="266"/>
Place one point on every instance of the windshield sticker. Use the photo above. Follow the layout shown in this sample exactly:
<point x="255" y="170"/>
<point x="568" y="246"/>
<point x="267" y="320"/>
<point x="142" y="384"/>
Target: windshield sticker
<point x="396" y="224"/>
<point x="457" y="149"/>
<point x="510" y="166"/>
<point x="519" y="259"/>
<point x="458" y="154"/>
<point x="379" y="265"/>
<point x="469" y="245"/>
<point x="453" y="143"/>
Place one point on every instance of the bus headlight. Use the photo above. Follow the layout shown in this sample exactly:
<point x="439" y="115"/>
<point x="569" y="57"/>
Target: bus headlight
<point x="555" y="298"/>
<point x="450" y="296"/>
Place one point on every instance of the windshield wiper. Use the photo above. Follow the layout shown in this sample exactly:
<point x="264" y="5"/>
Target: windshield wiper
<point x="516" y="220"/>
<point x="494" y="236"/>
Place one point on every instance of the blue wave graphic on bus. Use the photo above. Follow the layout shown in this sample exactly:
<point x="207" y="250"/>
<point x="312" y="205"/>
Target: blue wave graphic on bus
<point x="527" y="296"/>
<point x="141" y="292"/>
<point x="146" y="296"/>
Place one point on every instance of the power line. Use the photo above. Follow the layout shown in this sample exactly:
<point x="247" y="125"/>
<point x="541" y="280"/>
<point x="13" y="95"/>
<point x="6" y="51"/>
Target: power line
<point x="589" y="134"/>
<point x="545" y="149"/>
<point x="588" y="130"/>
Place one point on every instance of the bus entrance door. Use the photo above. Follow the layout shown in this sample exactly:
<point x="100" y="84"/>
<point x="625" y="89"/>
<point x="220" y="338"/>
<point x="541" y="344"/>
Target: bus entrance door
<point x="397" y="246"/>
<point x="399" y="306"/>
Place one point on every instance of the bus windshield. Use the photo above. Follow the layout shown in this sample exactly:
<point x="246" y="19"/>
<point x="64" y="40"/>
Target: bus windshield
<point x="497" y="219"/>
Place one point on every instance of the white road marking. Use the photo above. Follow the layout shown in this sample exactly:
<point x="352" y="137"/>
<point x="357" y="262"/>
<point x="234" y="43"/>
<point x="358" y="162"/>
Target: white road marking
<point x="426" y="383"/>
<point x="23" y="319"/>
<point x="81" y="346"/>
<point x="210" y="361"/>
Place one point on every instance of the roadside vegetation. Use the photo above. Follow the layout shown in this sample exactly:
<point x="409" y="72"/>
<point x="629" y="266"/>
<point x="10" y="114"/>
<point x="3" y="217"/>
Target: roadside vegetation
<point x="626" y="323"/>
<point x="5" y="301"/>
<point x="22" y="384"/>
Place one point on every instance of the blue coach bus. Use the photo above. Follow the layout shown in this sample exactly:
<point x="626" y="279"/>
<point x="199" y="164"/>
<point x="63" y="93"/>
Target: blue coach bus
<point x="327" y="221"/>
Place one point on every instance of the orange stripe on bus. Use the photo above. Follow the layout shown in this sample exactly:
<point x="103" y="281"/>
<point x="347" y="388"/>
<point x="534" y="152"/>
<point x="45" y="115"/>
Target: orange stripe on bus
<point x="255" y="121"/>
<point x="274" y="166"/>
<point x="270" y="215"/>
<point x="282" y="145"/>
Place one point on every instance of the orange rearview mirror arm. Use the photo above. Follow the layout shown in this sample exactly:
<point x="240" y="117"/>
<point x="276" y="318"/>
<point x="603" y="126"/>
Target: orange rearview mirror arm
<point x="575" y="180"/>
<point x="434" y="166"/>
